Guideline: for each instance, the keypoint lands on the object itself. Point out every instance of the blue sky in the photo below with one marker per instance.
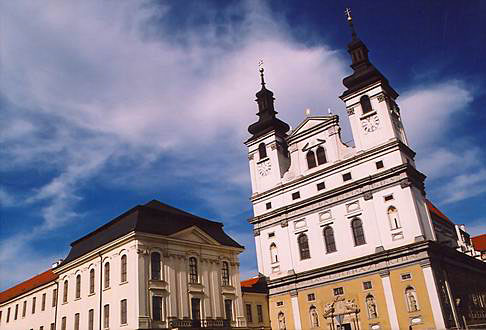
(108, 104)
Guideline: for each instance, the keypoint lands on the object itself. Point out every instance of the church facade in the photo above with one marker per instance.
(345, 233)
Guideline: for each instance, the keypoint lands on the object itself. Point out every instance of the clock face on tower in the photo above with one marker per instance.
(264, 167)
(370, 123)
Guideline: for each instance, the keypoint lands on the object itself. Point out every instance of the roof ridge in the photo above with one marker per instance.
(156, 205)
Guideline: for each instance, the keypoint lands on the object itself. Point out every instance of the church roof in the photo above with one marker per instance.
(479, 242)
(437, 214)
(152, 218)
(30, 284)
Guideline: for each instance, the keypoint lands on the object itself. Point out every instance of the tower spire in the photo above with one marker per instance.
(365, 72)
(267, 120)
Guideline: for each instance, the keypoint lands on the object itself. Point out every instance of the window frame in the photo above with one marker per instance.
(321, 155)
(65, 292)
(123, 268)
(92, 277)
(193, 270)
(78, 287)
(304, 248)
(329, 240)
(155, 273)
(262, 151)
(106, 316)
(358, 232)
(225, 273)
(123, 312)
(311, 159)
(106, 275)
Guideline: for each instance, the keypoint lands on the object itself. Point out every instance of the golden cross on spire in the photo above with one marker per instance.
(347, 12)
(260, 65)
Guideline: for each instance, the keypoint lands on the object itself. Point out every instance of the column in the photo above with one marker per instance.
(172, 279)
(295, 309)
(142, 278)
(183, 287)
(206, 299)
(431, 285)
(390, 302)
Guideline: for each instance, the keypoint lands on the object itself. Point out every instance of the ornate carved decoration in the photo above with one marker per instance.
(350, 111)
(273, 146)
(284, 223)
(368, 195)
(251, 156)
(256, 232)
(404, 183)
(381, 98)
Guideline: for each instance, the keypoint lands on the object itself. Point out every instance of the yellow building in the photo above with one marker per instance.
(255, 301)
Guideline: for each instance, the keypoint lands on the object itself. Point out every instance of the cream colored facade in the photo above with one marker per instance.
(91, 288)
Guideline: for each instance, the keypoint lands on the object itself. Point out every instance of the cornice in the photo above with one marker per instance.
(404, 175)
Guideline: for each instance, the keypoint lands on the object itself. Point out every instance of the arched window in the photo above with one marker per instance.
(365, 103)
(393, 217)
(107, 275)
(314, 318)
(311, 159)
(91, 281)
(411, 298)
(78, 286)
(273, 253)
(321, 156)
(371, 307)
(329, 240)
(281, 321)
(123, 268)
(303, 246)
(358, 233)
(262, 150)
(225, 273)
(155, 266)
(65, 292)
(193, 278)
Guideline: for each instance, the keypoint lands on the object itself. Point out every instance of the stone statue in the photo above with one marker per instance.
(412, 301)
(370, 303)
(314, 318)
(281, 321)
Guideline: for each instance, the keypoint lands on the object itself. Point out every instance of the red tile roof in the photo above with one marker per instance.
(435, 211)
(30, 284)
(254, 285)
(250, 282)
(479, 242)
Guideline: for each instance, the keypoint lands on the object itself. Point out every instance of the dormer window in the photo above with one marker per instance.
(365, 103)
(262, 150)
(311, 159)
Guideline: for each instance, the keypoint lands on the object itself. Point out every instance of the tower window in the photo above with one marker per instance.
(347, 176)
(296, 195)
(365, 103)
(379, 164)
(311, 297)
(388, 198)
(273, 253)
(393, 217)
(268, 205)
(303, 246)
(321, 156)
(338, 291)
(321, 186)
(262, 150)
(311, 159)
(367, 285)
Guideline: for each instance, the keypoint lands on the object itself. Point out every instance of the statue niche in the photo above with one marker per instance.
(281, 321)
(371, 306)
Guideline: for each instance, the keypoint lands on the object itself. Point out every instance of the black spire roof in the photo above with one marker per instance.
(152, 218)
(365, 72)
(267, 120)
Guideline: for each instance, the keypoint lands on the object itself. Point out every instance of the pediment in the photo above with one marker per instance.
(196, 235)
(309, 123)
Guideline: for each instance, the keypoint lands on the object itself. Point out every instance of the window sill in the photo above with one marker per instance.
(105, 289)
(263, 160)
(123, 283)
(91, 294)
(79, 298)
(369, 113)
(123, 324)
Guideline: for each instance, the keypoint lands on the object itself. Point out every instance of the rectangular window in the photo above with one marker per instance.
(347, 176)
(54, 297)
(260, 313)
(43, 302)
(279, 303)
(338, 291)
(123, 311)
(63, 323)
(106, 316)
(228, 308)
(296, 195)
(123, 269)
(24, 308)
(92, 281)
(16, 311)
(379, 164)
(91, 319)
(157, 308)
(107, 275)
(272, 234)
(388, 198)
(8, 314)
(321, 186)
(367, 285)
(406, 276)
(65, 292)
(76, 321)
(33, 305)
(311, 297)
(249, 317)
(268, 205)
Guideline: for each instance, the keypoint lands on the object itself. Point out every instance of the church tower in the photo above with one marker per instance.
(267, 148)
(370, 100)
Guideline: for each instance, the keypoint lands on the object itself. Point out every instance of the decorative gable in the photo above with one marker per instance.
(196, 235)
(309, 124)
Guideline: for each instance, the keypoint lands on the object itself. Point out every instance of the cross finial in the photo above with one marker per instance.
(260, 65)
(307, 112)
(347, 12)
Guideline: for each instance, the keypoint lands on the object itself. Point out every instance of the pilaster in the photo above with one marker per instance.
(431, 285)
(390, 302)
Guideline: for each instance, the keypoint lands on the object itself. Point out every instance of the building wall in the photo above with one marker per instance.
(255, 299)
(31, 320)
